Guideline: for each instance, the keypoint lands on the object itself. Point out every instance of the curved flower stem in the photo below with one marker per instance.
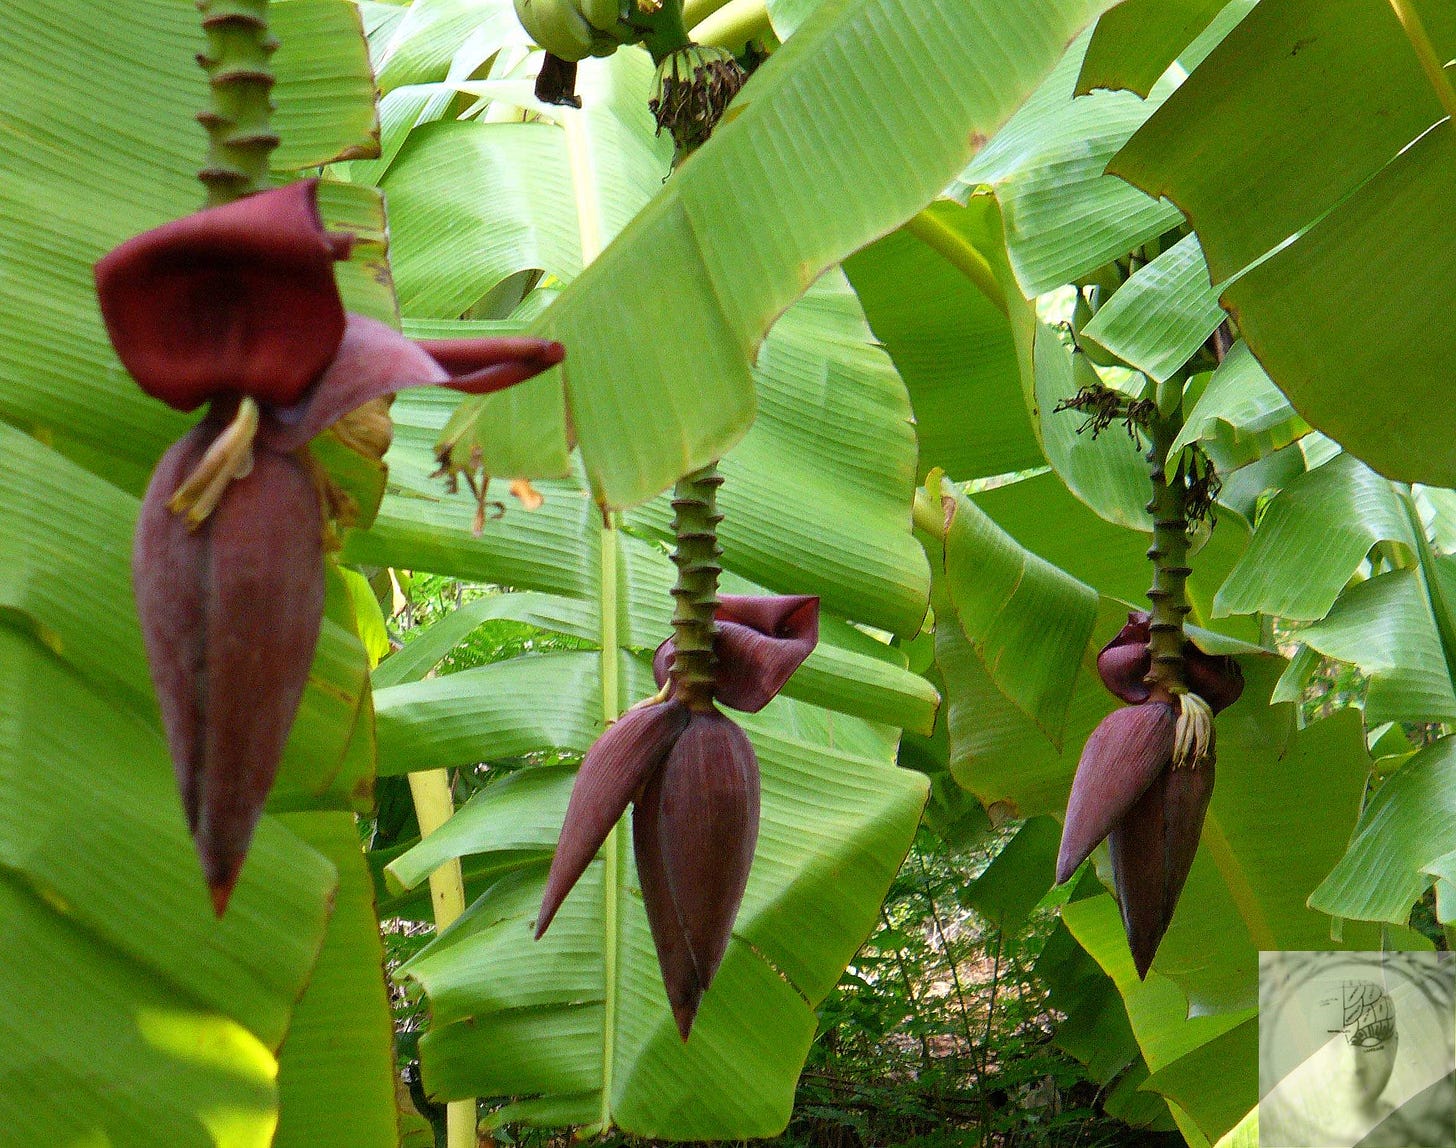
(733, 25)
(1169, 552)
(695, 525)
(951, 246)
(239, 72)
(696, 11)
(663, 30)
(1425, 51)
(230, 456)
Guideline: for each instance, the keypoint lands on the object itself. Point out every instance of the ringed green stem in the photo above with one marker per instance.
(1169, 553)
(240, 78)
(695, 526)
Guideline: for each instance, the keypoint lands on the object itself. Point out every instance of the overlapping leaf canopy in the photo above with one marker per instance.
(1322, 518)
(134, 1010)
(690, 306)
(816, 500)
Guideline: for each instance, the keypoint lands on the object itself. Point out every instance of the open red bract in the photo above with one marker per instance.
(238, 299)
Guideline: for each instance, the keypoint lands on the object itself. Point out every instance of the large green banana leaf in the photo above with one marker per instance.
(1063, 217)
(882, 116)
(132, 1009)
(1134, 44)
(1266, 140)
(950, 338)
(816, 500)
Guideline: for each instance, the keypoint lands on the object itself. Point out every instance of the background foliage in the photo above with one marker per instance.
(886, 269)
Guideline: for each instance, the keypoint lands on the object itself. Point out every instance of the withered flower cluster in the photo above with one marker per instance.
(692, 777)
(1145, 779)
(694, 87)
(236, 306)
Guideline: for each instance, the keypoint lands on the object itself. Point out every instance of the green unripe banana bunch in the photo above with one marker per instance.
(575, 29)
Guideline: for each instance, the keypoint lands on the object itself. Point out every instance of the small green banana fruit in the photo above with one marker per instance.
(556, 26)
(572, 30)
(603, 15)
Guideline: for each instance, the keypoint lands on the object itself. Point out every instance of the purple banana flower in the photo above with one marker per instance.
(1123, 665)
(692, 777)
(1145, 779)
(760, 643)
(236, 306)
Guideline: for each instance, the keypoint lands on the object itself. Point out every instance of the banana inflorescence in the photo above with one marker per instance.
(236, 307)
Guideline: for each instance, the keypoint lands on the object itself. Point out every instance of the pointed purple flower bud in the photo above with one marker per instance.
(708, 827)
(674, 955)
(230, 614)
(237, 305)
(1120, 760)
(615, 770)
(1123, 665)
(761, 642)
(1152, 852)
(693, 778)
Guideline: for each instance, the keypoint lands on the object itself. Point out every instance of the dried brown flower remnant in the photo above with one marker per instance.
(695, 85)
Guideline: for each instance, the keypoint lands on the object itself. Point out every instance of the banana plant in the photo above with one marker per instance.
(74, 425)
(120, 977)
(1079, 238)
(621, 1060)
(1068, 548)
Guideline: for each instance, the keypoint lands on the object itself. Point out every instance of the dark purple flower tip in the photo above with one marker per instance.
(1152, 850)
(238, 299)
(674, 957)
(230, 614)
(761, 642)
(481, 366)
(616, 768)
(556, 82)
(1217, 678)
(1124, 662)
(706, 813)
(373, 359)
(1120, 760)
